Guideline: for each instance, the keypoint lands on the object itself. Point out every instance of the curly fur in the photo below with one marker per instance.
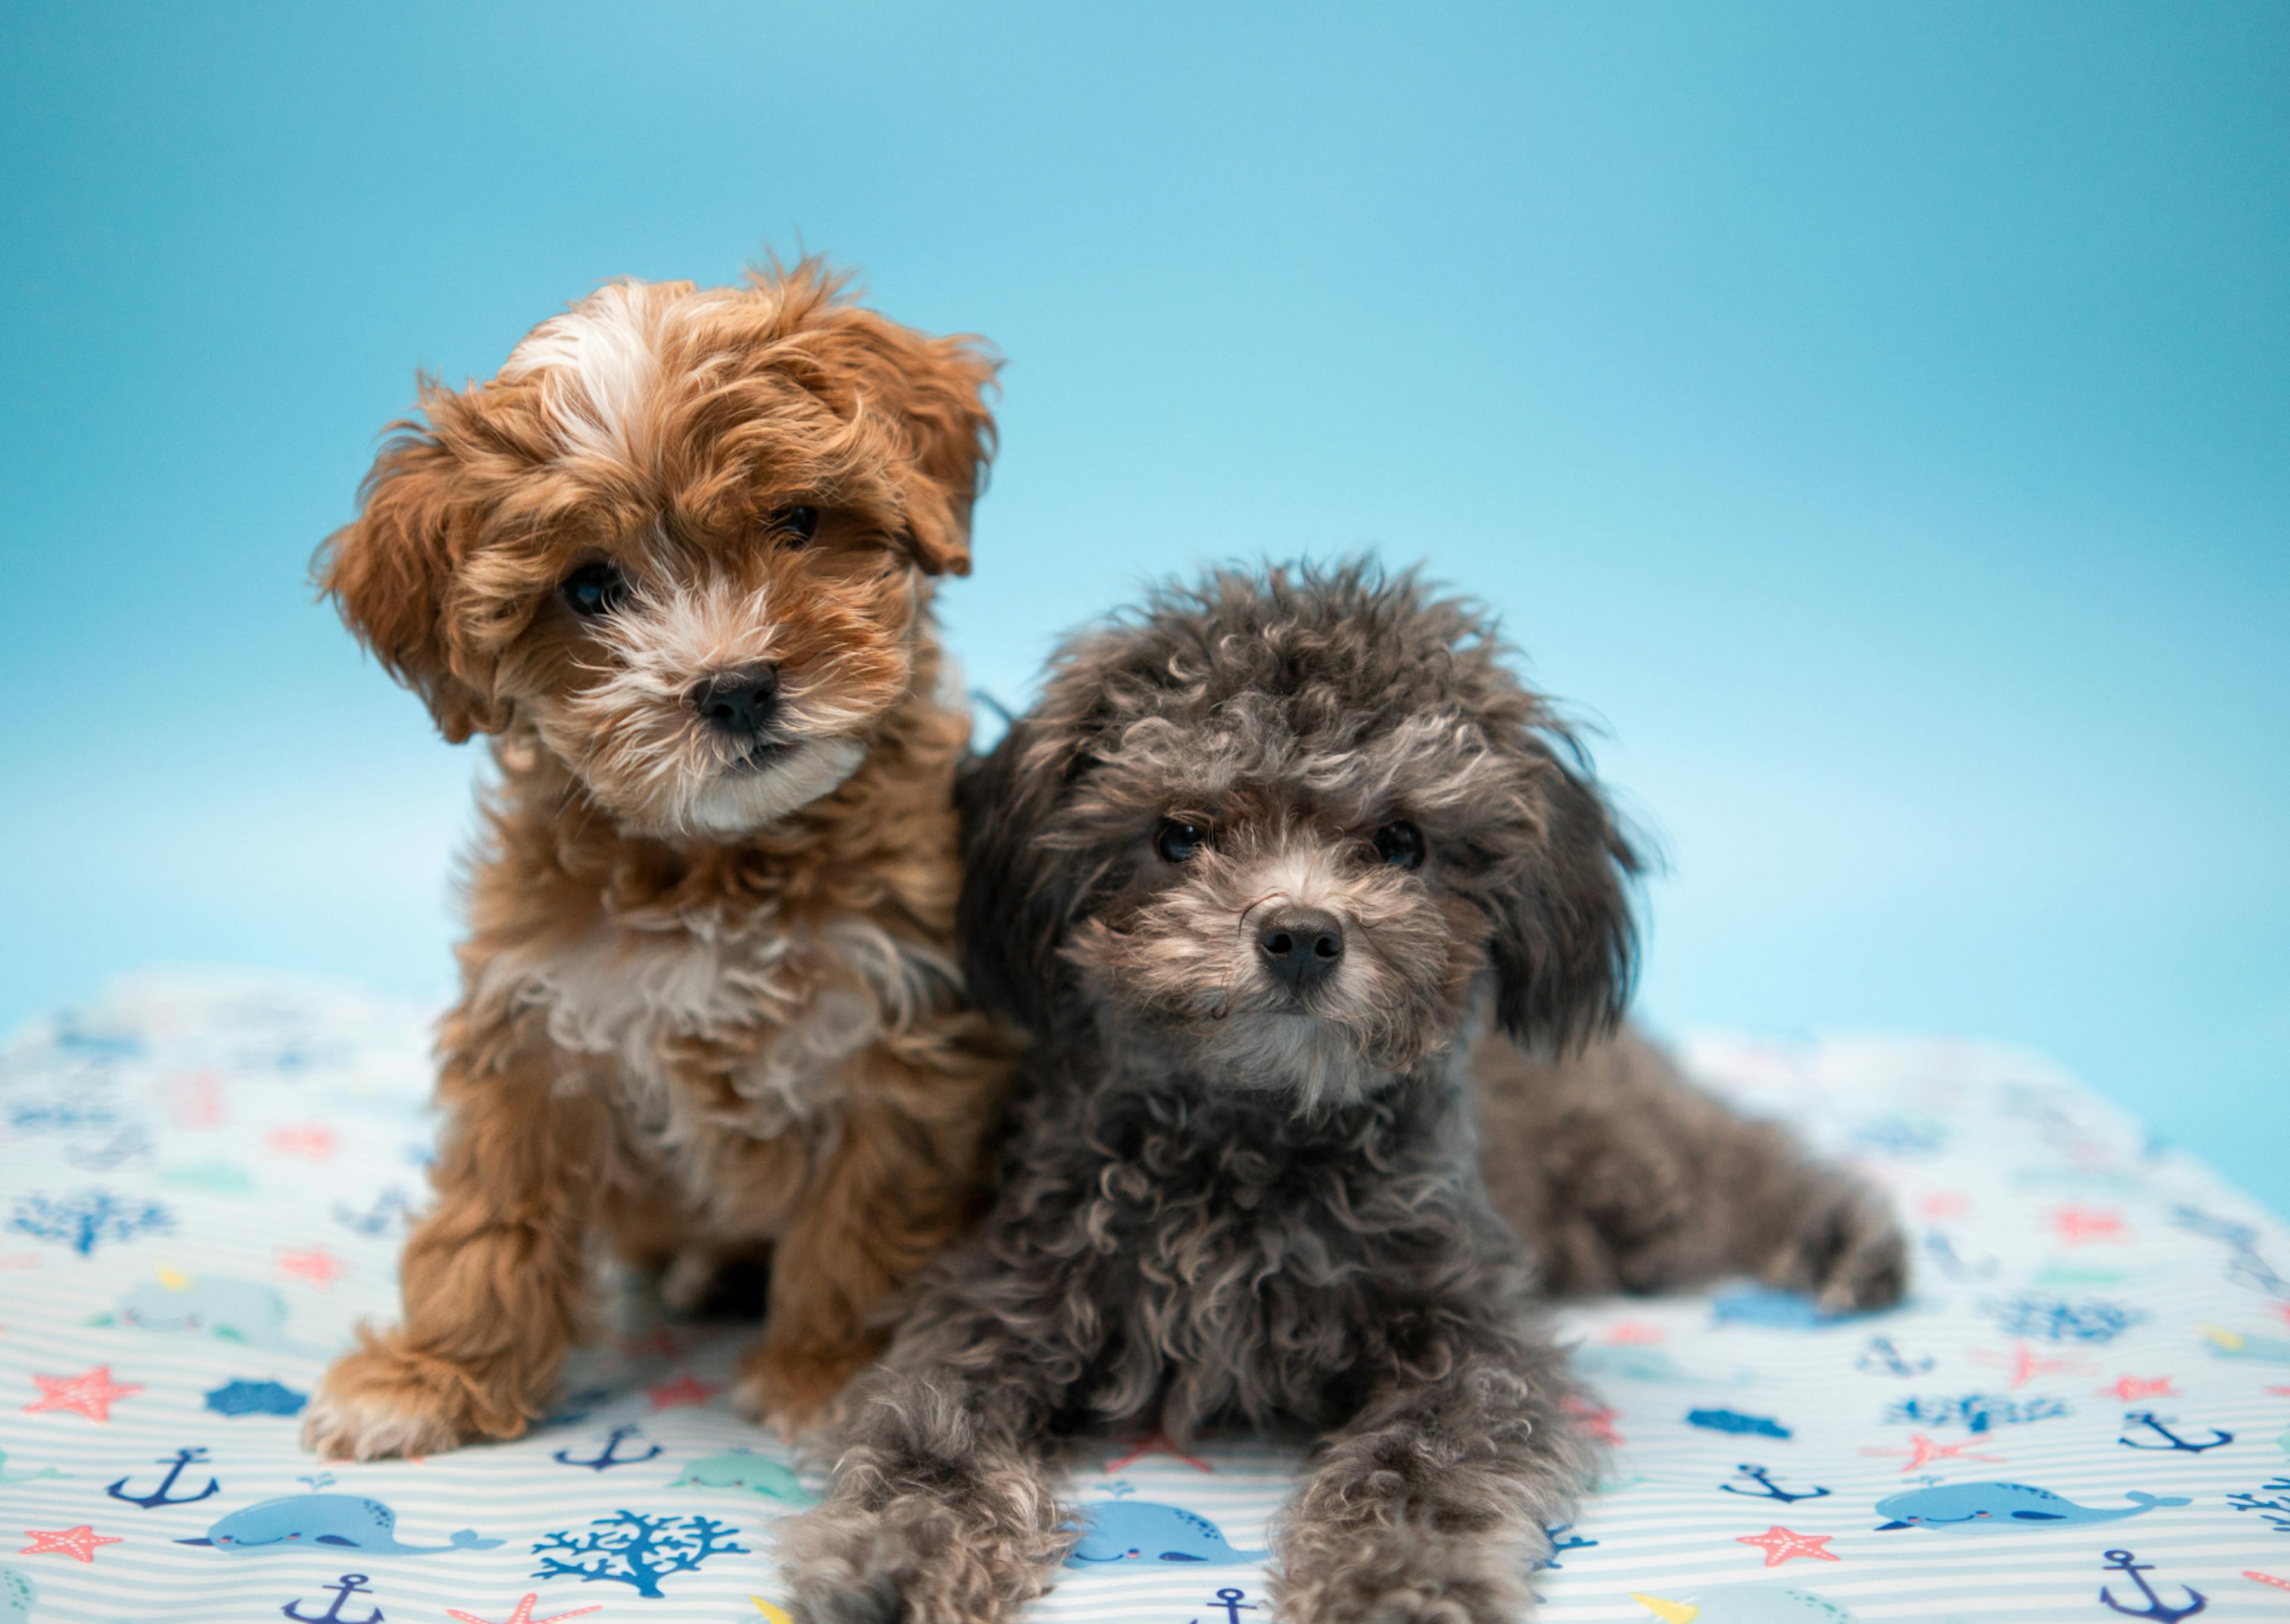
(1229, 1201)
(711, 1006)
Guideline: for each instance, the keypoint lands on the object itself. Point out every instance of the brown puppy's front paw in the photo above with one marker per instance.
(386, 1401)
(792, 1388)
(1850, 1253)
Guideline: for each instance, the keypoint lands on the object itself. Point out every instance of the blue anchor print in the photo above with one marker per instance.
(1954, 1265)
(159, 1496)
(2120, 1562)
(1571, 1543)
(344, 1587)
(611, 1456)
(1767, 1489)
(1880, 1355)
(1231, 1599)
(2146, 1418)
(389, 1204)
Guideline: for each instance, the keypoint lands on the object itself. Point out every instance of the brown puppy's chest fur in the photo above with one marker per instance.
(733, 1005)
(727, 1041)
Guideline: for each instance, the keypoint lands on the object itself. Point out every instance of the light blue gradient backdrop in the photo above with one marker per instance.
(1879, 419)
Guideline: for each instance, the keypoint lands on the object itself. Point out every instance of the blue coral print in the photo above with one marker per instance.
(89, 1218)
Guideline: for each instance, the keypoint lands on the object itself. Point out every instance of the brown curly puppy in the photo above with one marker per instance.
(1284, 872)
(675, 559)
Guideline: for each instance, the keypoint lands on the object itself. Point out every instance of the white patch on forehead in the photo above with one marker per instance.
(599, 363)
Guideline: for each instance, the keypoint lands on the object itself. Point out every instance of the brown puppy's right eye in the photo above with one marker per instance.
(795, 526)
(1180, 840)
(594, 590)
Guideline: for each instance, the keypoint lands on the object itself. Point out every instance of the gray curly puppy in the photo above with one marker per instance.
(1292, 880)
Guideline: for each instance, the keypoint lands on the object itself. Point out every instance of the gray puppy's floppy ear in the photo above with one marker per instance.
(1565, 949)
(1016, 901)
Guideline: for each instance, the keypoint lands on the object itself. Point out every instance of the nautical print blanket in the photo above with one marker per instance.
(204, 1183)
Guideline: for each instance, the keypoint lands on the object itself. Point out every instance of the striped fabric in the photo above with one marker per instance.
(204, 1183)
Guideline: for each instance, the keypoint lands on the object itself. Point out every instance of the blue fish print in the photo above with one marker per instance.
(1140, 1530)
(1988, 1508)
(350, 1521)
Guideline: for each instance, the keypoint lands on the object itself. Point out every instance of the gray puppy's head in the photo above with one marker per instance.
(1293, 827)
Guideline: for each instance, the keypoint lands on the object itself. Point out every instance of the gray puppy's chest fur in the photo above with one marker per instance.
(1221, 1261)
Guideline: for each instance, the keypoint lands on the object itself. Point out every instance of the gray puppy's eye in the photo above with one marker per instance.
(1179, 840)
(1400, 844)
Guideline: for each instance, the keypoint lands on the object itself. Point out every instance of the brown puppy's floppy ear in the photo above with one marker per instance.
(1015, 909)
(1566, 945)
(936, 388)
(933, 389)
(390, 571)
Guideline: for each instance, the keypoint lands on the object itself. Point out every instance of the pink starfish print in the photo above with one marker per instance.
(1944, 1204)
(523, 1614)
(1780, 1544)
(685, 1389)
(1631, 1331)
(77, 1543)
(1157, 1443)
(92, 1393)
(2139, 1387)
(311, 1140)
(2266, 1578)
(1600, 1421)
(1924, 1449)
(315, 1264)
(2026, 1363)
(2078, 1224)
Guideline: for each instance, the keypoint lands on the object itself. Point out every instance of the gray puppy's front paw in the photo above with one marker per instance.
(1400, 1576)
(922, 1558)
(1849, 1251)
(840, 1570)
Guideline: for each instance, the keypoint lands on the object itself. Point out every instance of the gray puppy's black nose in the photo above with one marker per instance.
(740, 704)
(1303, 947)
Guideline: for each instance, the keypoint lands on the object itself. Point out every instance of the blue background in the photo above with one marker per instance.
(1877, 419)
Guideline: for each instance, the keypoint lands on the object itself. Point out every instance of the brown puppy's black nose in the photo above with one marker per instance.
(1303, 947)
(740, 704)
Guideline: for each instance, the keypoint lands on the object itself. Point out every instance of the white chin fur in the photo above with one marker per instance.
(742, 803)
(1313, 1058)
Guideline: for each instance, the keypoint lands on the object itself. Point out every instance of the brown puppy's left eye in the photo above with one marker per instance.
(1400, 844)
(794, 526)
(595, 588)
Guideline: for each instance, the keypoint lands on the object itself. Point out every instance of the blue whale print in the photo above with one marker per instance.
(1140, 1530)
(348, 1521)
(1987, 1507)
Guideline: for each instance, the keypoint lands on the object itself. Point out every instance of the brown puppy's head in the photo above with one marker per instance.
(1296, 826)
(679, 537)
